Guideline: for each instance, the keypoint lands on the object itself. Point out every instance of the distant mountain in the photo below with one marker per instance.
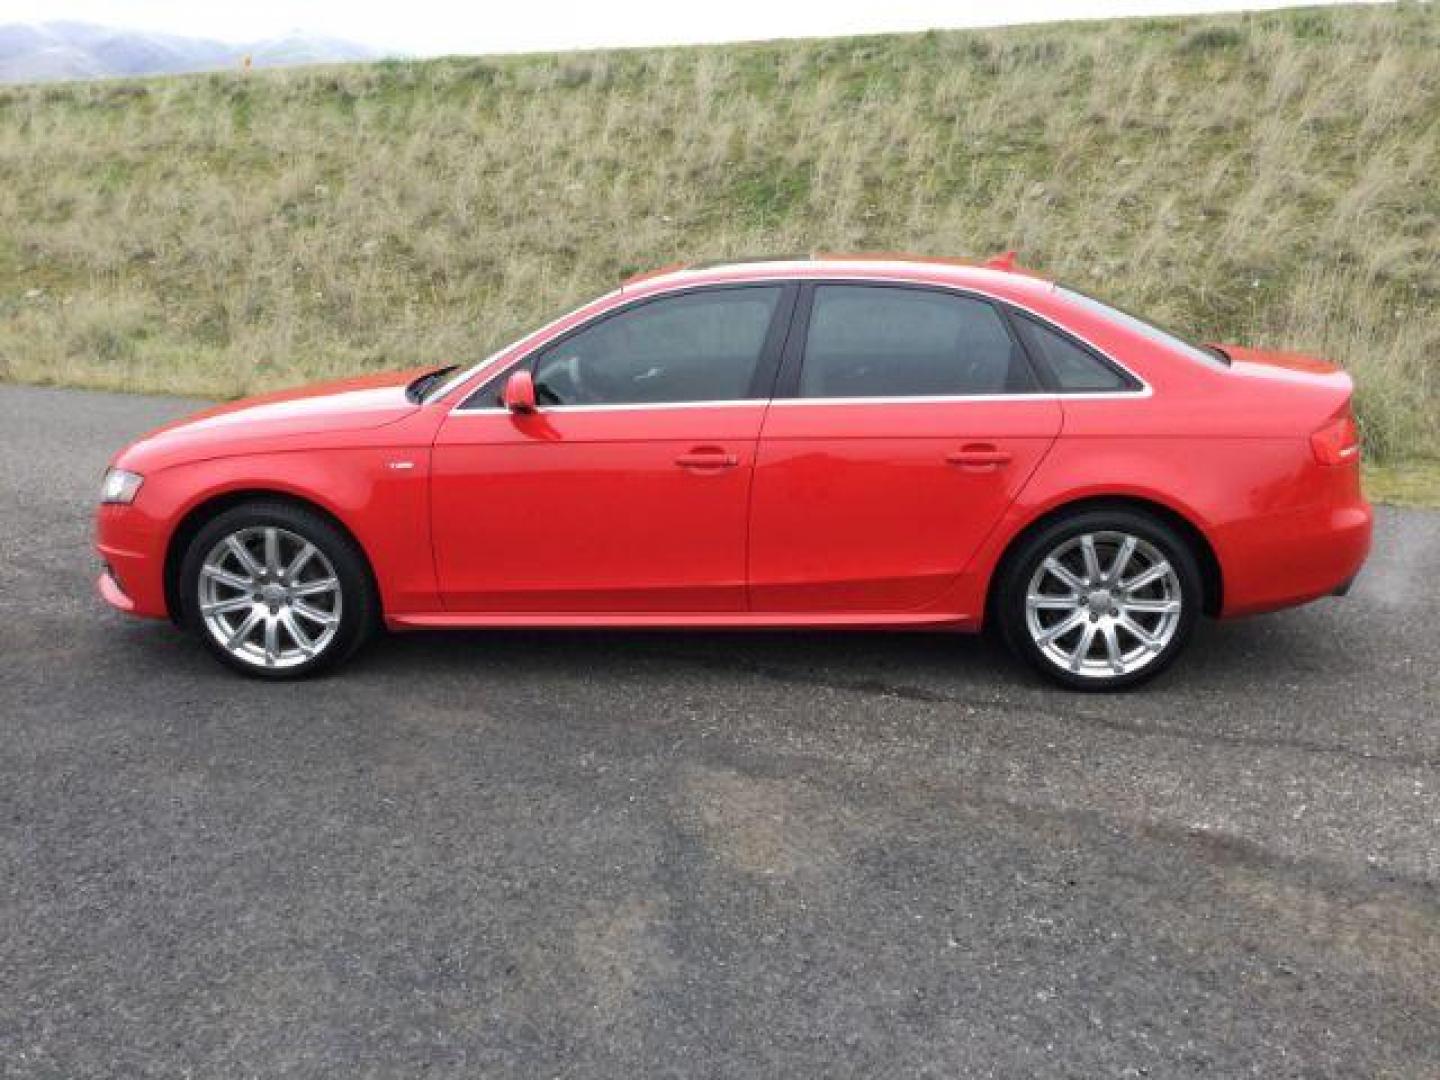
(43, 52)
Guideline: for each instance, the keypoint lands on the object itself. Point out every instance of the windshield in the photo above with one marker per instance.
(442, 387)
(1209, 357)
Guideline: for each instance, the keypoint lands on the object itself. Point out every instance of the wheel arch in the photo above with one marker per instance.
(1211, 575)
(206, 508)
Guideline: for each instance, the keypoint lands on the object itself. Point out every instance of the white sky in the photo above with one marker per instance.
(431, 27)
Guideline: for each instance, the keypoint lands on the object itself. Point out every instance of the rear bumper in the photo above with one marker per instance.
(1343, 589)
(1288, 559)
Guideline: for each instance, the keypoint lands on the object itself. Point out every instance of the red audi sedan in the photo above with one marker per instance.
(828, 442)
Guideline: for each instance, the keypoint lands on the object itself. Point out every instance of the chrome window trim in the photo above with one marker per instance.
(628, 406)
(945, 399)
(957, 399)
(1144, 389)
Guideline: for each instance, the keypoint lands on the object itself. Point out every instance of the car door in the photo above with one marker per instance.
(905, 422)
(626, 491)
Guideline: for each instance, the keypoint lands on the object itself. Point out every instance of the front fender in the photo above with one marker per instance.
(379, 494)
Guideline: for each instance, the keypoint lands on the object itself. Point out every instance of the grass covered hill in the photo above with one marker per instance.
(1269, 178)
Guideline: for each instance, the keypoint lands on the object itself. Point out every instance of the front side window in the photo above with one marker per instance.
(701, 346)
(888, 341)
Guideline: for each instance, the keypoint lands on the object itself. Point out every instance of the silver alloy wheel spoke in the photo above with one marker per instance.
(1150, 607)
(272, 640)
(243, 556)
(1073, 583)
(1122, 559)
(311, 588)
(292, 627)
(1053, 603)
(1145, 577)
(1139, 633)
(1060, 629)
(242, 632)
(1098, 624)
(1082, 651)
(275, 615)
(1112, 647)
(1092, 559)
(298, 563)
(324, 618)
(235, 581)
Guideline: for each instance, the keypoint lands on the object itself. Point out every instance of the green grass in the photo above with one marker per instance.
(1266, 178)
(1408, 483)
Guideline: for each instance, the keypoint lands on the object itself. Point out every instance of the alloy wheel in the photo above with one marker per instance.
(269, 597)
(1103, 604)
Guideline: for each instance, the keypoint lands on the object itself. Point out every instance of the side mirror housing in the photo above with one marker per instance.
(520, 392)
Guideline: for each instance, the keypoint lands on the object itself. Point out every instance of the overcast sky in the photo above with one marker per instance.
(430, 27)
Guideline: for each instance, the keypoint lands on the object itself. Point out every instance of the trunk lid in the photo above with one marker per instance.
(1264, 362)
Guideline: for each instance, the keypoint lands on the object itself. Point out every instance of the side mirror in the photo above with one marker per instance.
(520, 392)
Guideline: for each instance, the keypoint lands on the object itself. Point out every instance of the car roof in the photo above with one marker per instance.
(996, 274)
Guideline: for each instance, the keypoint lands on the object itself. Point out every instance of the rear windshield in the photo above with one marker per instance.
(1208, 357)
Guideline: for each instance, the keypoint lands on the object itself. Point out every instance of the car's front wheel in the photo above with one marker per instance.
(1101, 599)
(276, 591)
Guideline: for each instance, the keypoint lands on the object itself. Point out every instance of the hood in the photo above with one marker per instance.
(355, 404)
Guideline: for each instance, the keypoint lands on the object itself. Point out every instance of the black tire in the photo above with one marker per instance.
(358, 604)
(1021, 566)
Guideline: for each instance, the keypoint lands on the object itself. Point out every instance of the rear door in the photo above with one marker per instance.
(906, 420)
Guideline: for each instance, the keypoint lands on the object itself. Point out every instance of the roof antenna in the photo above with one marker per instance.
(1004, 261)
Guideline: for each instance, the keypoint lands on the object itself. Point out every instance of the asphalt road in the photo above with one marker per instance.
(777, 855)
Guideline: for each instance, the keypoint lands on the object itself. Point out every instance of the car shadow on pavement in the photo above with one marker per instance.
(923, 666)
(926, 666)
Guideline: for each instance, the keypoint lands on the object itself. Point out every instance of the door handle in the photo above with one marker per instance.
(707, 458)
(980, 454)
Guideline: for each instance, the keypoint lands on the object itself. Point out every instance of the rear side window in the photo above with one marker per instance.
(1146, 329)
(887, 341)
(700, 346)
(1074, 367)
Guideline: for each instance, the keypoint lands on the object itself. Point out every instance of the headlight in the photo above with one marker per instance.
(120, 486)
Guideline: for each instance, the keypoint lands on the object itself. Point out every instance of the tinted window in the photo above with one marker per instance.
(878, 341)
(1073, 366)
(696, 347)
(1147, 329)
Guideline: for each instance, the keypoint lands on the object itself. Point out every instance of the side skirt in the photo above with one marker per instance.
(704, 620)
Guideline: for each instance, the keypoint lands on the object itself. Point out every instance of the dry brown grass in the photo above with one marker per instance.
(1267, 178)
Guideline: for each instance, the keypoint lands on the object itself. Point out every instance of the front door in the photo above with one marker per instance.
(907, 421)
(627, 491)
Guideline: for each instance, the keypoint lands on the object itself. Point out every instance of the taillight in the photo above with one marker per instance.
(1338, 442)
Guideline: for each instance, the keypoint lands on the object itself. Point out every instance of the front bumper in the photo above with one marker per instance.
(111, 592)
(131, 547)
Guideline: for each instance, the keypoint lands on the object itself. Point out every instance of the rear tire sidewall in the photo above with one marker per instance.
(1018, 568)
(359, 609)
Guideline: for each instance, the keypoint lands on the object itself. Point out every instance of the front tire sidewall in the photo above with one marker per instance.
(1018, 569)
(359, 610)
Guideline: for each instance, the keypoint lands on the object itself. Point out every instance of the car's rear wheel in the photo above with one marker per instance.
(276, 591)
(1101, 599)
